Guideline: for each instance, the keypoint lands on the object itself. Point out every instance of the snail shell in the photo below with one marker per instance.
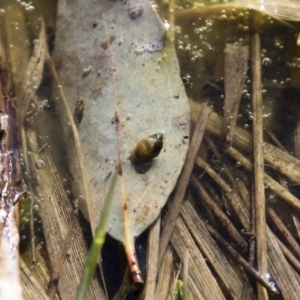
(146, 149)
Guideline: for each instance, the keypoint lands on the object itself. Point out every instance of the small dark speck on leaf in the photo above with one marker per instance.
(181, 122)
(176, 96)
(107, 176)
(105, 44)
(95, 24)
(86, 72)
(135, 11)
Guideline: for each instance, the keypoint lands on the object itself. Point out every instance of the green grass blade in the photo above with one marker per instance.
(98, 242)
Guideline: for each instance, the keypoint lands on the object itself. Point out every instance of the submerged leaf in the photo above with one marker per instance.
(116, 57)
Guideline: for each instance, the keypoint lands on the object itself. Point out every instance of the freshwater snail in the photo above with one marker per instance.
(146, 149)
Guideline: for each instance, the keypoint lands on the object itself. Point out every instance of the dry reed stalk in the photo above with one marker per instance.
(231, 194)
(56, 214)
(220, 215)
(273, 185)
(58, 266)
(262, 280)
(183, 180)
(289, 255)
(204, 280)
(194, 291)
(271, 135)
(228, 273)
(252, 240)
(36, 277)
(185, 271)
(258, 163)
(34, 288)
(284, 231)
(276, 158)
(284, 275)
(297, 155)
(152, 257)
(212, 146)
(236, 57)
(287, 280)
(164, 276)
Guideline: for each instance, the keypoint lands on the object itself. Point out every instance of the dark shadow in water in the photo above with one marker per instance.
(115, 264)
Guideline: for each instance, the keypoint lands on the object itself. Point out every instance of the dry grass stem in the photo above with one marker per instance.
(274, 157)
(236, 57)
(56, 213)
(182, 184)
(204, 280)
(287, 280)
(231, 194)
(57, 269)
(229, 273)
(212, 146)
(258, 163)
(273, 185)
(271, 135)
(289, 255)
(31, 281)
(152, 257)
(252, 240)
(284, 231)
(33, 75)
(249, 269)
(75, 153)
(282, 272)
(220, 215)
(164, 276)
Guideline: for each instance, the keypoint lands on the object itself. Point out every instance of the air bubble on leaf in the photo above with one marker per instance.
(40, 164)
(154, 46)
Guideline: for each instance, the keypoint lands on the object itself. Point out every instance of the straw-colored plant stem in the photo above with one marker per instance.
(152, 257)
(182, 184)
(258, 164)
(164, 277)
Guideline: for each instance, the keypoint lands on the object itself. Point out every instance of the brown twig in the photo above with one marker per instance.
(182, 184)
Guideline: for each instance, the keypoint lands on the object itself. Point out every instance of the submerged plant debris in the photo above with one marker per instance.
(119, 86)
(139, 93)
